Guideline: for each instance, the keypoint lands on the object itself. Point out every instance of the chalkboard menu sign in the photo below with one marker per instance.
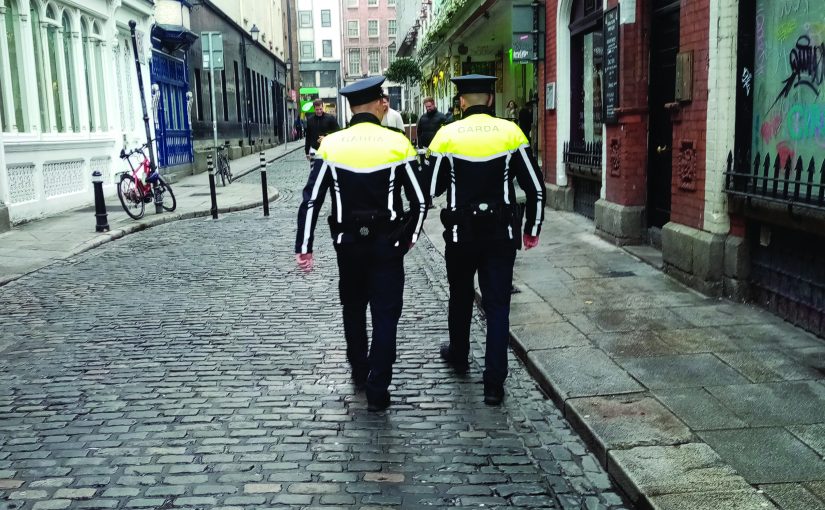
(611, 65)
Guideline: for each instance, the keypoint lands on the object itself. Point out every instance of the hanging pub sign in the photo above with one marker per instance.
(611, 65)
(525, 46)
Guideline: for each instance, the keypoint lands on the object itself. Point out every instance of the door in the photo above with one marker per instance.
(172, 130)
(664, 45)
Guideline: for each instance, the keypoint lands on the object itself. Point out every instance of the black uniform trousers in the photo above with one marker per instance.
(371, 273)
(493, 260)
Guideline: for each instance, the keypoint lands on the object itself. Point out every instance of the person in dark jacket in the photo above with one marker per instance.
(429, 123)
(298, 127)
(318, 126)
(367, 170)
(475, 161)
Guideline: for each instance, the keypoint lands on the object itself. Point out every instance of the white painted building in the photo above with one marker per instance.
(68, 99)
(319, 47)
(269, 16)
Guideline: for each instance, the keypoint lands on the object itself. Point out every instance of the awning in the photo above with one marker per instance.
(172, 37)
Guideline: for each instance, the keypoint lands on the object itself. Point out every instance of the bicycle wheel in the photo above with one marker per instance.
(228, 170)
(169, 200)
(222, 170)
(131, 196)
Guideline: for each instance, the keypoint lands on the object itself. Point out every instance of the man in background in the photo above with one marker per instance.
(392, 119)
(429, 123)
(318, 126)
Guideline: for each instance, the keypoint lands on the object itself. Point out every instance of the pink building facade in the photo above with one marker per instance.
(368, 32)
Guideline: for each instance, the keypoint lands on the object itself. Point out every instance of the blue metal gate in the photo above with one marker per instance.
(172, 129)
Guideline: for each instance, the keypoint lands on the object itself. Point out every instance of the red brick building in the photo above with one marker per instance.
(651, 98)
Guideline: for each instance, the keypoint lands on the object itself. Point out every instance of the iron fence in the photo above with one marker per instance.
(783, 180)
(583, 159)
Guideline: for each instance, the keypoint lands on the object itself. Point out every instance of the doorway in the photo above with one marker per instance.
(664, 45)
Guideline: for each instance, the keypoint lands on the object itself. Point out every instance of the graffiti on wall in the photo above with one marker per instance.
(788, 80)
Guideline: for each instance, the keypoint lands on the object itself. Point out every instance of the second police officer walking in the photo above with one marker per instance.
(474, 160)
(365, 167)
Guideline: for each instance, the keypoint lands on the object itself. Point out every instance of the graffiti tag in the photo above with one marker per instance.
(807, 67)
(747, 79)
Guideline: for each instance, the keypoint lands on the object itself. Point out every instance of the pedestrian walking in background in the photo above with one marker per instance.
(367, 166)
(429, 123)
(298, 126)
(471, 158)
(318, 126)
(392, 119)
(511, 112)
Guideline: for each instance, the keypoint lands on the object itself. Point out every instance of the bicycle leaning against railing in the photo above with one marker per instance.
(223, 166)
(142, 185)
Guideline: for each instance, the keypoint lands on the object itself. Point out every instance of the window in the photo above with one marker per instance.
(305, 19)
(353, 30)
(13, 121)
(372, 28)
(307, 50)
(326, 18)
(198, 94)
(326, 45)
(392, 27)
(354, 61)
(42, 86)
(352, 3)
(308, 79)
(237, 92)
(223, 94)
(372, 3)
(375, 60)
(328, 79)
(391, 51)
(71, 79)
(390, 3)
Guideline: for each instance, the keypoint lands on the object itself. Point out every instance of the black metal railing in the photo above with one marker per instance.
(791, 183)
(583, 159)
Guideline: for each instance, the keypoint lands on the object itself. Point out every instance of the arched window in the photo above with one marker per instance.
(71, 79)
(586, 71)
(101, 86)
(40, 69)
(391, 51)
(11, 61)
(56, 77)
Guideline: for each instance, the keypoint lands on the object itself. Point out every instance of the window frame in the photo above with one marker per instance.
(324, 44)
(377, 28)
(350, 53)
(377, 53)
(328, 22)
(392, 23)
(301, 19)
(311, 46)
(357, 29)
(372, 3)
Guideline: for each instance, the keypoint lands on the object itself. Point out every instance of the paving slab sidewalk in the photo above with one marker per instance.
(690, 402)
(36, 244)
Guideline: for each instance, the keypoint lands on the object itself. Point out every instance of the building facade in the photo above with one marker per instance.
(69, 98)
(249, 92)
(369, 42)
(319, 52)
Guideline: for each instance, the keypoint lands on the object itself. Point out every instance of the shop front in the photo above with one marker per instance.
(776, 175)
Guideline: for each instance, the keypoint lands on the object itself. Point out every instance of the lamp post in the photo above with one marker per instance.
(254, 32)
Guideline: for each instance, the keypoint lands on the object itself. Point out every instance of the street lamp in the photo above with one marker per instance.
(255, 33)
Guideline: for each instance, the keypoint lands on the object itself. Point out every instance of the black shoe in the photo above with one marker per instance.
(493, 394)
(378, 403)
(460, 367)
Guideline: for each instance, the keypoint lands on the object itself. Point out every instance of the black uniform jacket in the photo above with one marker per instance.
(365, 167)
(428, 125)
(475, 160)
(318, 126)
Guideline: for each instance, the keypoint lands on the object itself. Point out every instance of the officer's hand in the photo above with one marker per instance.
(530, 241)
(305, 261)
(307, 157)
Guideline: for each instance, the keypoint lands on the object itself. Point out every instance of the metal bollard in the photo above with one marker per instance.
(102, 219)
(264, 189)
(211, 168)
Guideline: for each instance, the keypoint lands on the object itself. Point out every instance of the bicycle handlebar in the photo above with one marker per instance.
(124, 154)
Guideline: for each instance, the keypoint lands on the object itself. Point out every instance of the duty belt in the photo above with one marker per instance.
(367, 225)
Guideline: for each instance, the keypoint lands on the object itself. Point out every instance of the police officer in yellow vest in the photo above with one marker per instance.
(365, 167)
(475, 161)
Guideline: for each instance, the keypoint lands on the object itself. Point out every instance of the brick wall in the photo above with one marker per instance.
(690, 122)
(548, 70)
(626, 155)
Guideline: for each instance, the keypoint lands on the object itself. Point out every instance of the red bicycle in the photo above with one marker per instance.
(143, 185)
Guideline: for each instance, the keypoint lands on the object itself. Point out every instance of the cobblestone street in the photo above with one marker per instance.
(192, 365)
